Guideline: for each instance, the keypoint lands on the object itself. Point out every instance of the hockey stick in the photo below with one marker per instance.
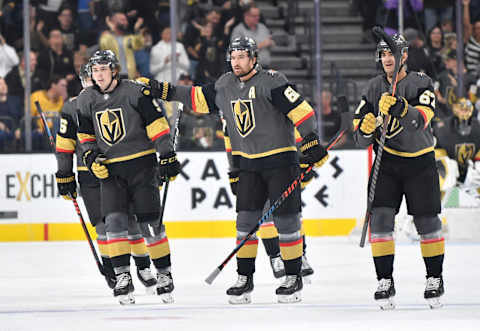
(272, 208)
(167, 181)
(74, 200)
(376, 166)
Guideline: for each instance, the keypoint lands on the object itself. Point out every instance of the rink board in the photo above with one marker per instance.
(199, 204)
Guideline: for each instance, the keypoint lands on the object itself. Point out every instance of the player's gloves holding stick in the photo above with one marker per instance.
(308, 176)
(161, 90)
(66, 185)
(169, 167)
(233, 178)
(93, 160)
(313, 151)
(392, 105)
(368, 124)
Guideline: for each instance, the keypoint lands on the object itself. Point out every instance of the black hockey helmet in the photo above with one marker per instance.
(84, 73)
(105, 57)
(398, 40)
(462, 110)
(243, 44)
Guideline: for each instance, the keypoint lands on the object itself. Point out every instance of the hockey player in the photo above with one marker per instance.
(407, 169)
(120, 130)
(268, 232)
(260, 108)
(66, 146)
(458, 148)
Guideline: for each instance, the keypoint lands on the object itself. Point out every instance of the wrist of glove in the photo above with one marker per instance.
(168, 167)
(93, 160)
(161, 90)
(233, 178)
(393, 105)
(313, 152)
(66, 185)
(307, 177)
(368, 124)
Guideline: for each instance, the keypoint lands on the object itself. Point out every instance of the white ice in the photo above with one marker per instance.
(56, 286)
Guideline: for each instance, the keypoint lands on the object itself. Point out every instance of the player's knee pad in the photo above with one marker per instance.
(133, 228)
(153, 229)
(247, 219)
(427, 224)
(382, 220)
(100, 228)
(116, 222)
(288, 223)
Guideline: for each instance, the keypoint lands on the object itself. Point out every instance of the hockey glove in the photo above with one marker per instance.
(392, 105)
(314, 153)
(233, 177)
(161, 90)
(169, 167)
(66, 185)
(93, 160)
(368, 124)
(307, 178)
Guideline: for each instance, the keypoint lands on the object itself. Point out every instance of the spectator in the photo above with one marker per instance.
(57, 60)
(74, 86)
(472, 39)
(251, 27)
(8, 57)
(447, 26)
(434, 48)
(418, 59)
(8, 117)
(123, 43)
(160, 59)
(38, 41)
(69, 32)
(48, 12)
(450, 42)
(51, 101)
(436, 12)
(211, 52)
(142, 56)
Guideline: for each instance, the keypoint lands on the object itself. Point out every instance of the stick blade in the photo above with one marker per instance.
(212, 276)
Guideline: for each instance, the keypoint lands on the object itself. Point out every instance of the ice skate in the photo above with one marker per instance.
(433, 291)
(290, 290)
(307, 271)
(148, 280)
(165, 286)
(277, 265)
(385, 293)
(239, 293)
(124, 289)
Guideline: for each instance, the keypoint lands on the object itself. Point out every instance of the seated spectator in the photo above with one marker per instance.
(56, 60)
(418, 59)
(123, 43)
(251, 27)
(8, 57)
(160, 58)
(471, 35)
(9, 116)
(434, 47)
(142, 56)
(74, 86)
(436, 12)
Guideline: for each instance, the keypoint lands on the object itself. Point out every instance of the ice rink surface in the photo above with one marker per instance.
(56, 286)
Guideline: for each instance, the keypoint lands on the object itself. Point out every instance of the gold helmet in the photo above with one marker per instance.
(463, 110)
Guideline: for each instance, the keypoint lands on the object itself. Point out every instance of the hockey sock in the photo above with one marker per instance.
(291, 249)
(433, 251)
(246, 254)
(159, 250)
(245, 266)
(139, 251)
(383, 251)
(268, 233)
(119, 251)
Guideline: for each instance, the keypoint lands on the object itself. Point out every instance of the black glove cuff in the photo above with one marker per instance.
(64, 178)
(168, 158)
(310, 141)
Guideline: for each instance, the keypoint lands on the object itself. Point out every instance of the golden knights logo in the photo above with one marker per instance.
(244, 116)
(112, 127)
(464, 152)
(393, 127)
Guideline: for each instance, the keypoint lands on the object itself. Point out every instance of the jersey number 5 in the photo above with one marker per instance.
(63, 126)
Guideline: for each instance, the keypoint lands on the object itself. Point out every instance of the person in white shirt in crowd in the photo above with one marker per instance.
(8, 57)
(161, 62)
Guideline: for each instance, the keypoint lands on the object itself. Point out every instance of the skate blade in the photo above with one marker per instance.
(240, 299)
(166, 297)
(386, 304)
(151, 290)
(434, 303)
(291, 298)
(126, 299)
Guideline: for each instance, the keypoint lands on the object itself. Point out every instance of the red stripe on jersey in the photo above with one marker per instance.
(164, 132)
(293, 243)
(306, 117)
(158, 242)
(87, 140)
(61, 150)
(431, 241)
(192, 95)
(424, 117)
(249, 242)
(136, 241)
(101, 242)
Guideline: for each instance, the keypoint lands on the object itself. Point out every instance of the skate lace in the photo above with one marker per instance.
(163, 280)
(241, 281)
(146, 274)
(289, 281)
(277, 264)
(384, 284)
(305, 264)
(123, 280)
(433, 283)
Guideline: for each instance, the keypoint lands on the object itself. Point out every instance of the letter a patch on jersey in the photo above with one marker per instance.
(244, 116)
(111, 125)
